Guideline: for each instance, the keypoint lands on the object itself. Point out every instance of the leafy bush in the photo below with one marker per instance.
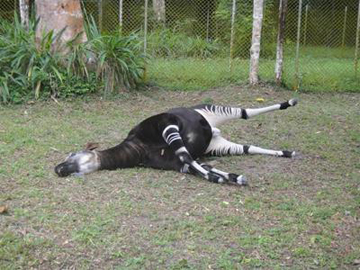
(165, 42)
(118, 59)
(31, 68)
(243, 27)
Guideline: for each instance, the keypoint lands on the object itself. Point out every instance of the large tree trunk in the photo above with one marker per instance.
(255, 42)
(58, 15)
(159, 9)
(280, 41)
(24, 12)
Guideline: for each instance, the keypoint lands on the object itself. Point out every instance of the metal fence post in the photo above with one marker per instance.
(207, 22)
(297, 78)
(357, 41)
(344, 28)
(100, 17)
(232, 35)
(145, 38)
(305, 23)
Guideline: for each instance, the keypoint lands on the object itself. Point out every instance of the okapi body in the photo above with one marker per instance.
(175, 140)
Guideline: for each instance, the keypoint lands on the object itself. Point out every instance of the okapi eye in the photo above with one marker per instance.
(70, 156)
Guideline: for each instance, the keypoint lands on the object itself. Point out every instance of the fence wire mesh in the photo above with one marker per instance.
(206, 43)
(8, 8)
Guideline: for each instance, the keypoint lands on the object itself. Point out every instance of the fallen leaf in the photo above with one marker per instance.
(260, 100)
(3, 209)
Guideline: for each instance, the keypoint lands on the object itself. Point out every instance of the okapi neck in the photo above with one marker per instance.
(124, 155)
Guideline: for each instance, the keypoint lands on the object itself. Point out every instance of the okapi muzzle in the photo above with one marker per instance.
(79, 163)
(66, 168)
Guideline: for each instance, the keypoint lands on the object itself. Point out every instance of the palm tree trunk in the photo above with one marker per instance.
(59, 15)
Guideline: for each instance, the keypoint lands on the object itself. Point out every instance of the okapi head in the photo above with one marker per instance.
(82, 162)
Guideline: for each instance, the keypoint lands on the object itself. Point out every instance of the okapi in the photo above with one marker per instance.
(175, 140)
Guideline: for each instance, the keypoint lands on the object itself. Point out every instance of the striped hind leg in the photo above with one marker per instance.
(217, 115)
(219, 146)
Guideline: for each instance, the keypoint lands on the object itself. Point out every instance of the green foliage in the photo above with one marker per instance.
(30, 68)
(165, 42)
(201, 74)
(33, 67)
(243, 27)
(117, 58)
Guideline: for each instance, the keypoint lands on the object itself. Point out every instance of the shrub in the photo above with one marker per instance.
(31, 68)
(165, 42)
(118, 59)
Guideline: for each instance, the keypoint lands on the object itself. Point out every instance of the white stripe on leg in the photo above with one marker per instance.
(219, 146)
(253, 112)
(258, 150)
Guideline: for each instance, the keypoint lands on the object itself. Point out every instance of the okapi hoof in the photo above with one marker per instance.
(215, 178)
(238, 179)
(289, 103)
(288, 154)
(293, 101)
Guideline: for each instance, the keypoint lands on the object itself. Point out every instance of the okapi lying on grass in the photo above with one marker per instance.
(174, 140)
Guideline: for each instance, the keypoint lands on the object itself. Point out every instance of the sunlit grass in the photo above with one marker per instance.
(320, 70)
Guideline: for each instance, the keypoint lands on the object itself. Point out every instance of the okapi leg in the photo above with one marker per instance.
(222, 177)
(217, 115)
(172, 137)
(281, 106)
(220, 147)
(230, 177)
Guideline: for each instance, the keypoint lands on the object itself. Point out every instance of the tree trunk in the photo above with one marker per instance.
(255, 42)
(120, 14)
(24, 12)
(58, 15)
(159, 10)
(280, 41)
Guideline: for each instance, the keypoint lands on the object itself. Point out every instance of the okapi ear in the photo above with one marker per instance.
(91, 146)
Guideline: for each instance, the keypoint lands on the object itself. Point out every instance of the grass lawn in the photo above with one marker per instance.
(296, 213)
(320, 70)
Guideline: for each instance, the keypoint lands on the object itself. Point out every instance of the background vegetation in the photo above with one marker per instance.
(189, 51)
(199, 33)
(30, 68)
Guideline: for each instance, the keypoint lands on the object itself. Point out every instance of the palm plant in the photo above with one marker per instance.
(26, 64)
(118, 59)
(31, 67)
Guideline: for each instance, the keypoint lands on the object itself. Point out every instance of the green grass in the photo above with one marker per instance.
(321, 70)
(295, 214)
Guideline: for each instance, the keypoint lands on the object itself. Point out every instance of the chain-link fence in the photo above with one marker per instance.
(8, 8)
(206, 43)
